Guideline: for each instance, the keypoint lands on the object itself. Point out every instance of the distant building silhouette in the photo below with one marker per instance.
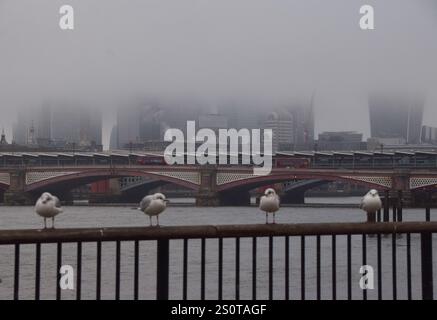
(396, 119)
(58, 127)
(281, 124)
(3, 141)
(429, 135)
(341, 141)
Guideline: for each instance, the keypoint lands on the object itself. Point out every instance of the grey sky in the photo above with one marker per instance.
(273, 50)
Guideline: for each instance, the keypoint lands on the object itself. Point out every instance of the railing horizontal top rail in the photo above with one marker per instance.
(208, 231)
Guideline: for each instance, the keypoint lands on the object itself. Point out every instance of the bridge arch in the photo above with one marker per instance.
(259, 181)
(72, 180)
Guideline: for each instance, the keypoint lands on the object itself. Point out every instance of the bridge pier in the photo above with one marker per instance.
(16, 198)
(207, 200)
(15, 195)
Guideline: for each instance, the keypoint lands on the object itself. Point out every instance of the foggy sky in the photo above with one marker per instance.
(267, 50)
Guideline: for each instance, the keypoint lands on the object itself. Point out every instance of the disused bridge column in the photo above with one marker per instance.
(400, 191)
(16, 194)
(208, 195)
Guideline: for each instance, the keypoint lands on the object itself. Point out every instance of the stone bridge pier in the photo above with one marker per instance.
(209, 196)
(16, 194)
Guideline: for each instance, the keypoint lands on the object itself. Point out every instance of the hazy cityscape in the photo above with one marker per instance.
(337, 102)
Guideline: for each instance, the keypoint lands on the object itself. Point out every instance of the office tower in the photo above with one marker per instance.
(281, 123)
(396, 118)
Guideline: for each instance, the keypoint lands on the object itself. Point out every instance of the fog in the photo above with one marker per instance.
(269, 51)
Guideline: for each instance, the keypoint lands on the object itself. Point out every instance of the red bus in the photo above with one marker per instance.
(293, 163)
(151, 160)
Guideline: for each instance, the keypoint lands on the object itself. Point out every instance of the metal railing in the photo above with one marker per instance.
(282, 240)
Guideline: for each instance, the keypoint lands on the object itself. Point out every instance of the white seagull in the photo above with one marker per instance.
(371, 202)
(153, 205)
(48, 206)
(269, 203)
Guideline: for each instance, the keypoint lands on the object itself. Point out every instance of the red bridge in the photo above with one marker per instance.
(214, 185)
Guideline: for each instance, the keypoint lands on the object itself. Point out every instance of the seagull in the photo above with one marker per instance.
(48, 206)
(269, 203)
(371, 202)
(153, 205)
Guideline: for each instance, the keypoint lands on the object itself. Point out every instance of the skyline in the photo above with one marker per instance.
(270, 53)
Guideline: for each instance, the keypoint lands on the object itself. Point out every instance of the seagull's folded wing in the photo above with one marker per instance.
(145, 202)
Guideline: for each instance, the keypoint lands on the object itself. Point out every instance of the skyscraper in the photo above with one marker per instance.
(396, 119)
(281, 124)
(47, 126)
(302, 111)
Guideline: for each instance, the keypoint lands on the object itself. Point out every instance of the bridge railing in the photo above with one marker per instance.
(281, 261)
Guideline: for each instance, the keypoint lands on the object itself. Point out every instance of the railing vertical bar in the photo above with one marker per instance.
(364, 248)
(185, 270)
(37, 270)
(58, 269)
(394, 271)
(202, 272)
(17, 271)
(162, 269)
(334, 268)
(254, 268)
(386, 213)
(427, 265)
(409, 266)
(287, 268)
(79, 271)
(237, 268)
(318, 267)
(117, 269)
(136, 268)
(349, 267)
(270, 268)
(220, 271)
(302, 266)
(99, 270)
(427, 206)
(379, 262)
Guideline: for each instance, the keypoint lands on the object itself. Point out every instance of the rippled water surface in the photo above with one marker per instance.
(83, 216)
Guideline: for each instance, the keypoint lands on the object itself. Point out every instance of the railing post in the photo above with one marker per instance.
(400, 205)
(428, 209)
(162, 273)
(386, 217)
(426, 257)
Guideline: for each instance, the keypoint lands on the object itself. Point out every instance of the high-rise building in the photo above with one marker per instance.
(128, 125)
(429, 135)
(79, 125)
(396, 118)
(281, 124)
(47, 126)
(302, 111)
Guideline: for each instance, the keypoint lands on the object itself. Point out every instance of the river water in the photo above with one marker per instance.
(176, 215)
